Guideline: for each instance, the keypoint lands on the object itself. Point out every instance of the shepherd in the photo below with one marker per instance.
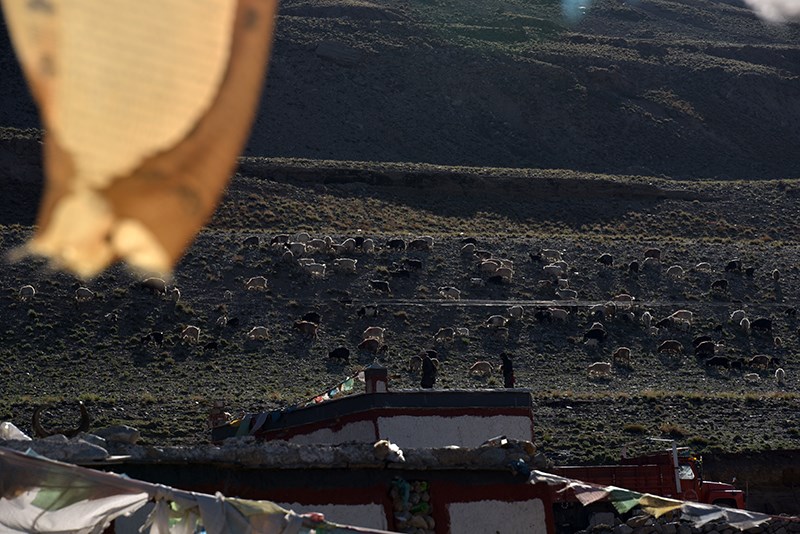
(508, 370)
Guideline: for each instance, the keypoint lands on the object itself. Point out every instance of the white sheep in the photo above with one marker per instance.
(156, 285)
(468, 249)
(482, 368)
(444, 334)
(744, 325)
(776, 275)
(256, 282)
(316, 269)
(563, 283)
(681, 315)
(622, 356)
(505, 273)
(780, 375)
(349, 244)
(599, 368)
(301, 237)
(558, 314)
(297, 248)
(551, 255)
(345, 265)
(258, 332)
(376, 332)
(752, 377)
(675, 272)
(737, 316)
(516, 312)
(83, 294)
(553, 271)
(703, 267)
(496, 321)
(489, 266)
(287, 257)
(191, 334)
(175, 294)
(647, 319)
(462, 332)
(449, 292)
(567, 294)
(368, 246)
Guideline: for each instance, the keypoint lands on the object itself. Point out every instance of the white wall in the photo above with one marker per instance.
(358, 515)
(498, 517)
(358, 431)
(464, 431)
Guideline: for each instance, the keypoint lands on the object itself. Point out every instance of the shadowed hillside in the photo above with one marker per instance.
(677, 88)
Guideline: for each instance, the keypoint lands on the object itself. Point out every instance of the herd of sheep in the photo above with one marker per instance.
(562, 304)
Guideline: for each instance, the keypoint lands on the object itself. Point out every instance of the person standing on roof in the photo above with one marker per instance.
(428, 372)
(508, 370)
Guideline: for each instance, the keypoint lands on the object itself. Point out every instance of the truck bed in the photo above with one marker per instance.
(655, 479)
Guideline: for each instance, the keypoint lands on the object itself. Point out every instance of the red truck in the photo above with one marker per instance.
(673, 473)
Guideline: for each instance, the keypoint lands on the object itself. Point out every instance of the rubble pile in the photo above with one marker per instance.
(671, 523)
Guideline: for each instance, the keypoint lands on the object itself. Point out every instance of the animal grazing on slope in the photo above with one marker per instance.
(445, 334)
(156, 285)
(258, 332)
(372, 345)
(622, 356)
(780, 375)
(719, 285)
(671, 345)
(599, 369)
(374, 332)
(496, 321)
(370, 310)
(191, 334)
(705, 349)
(83, 294)
(306, 327)
(482, 368)
(312, 317)
(256, 282)
(26, 293)
(380, 285)
(340, 353)
(42, 432)
(606, 259)
(449, 292)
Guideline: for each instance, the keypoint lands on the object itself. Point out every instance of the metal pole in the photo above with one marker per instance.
(677, 468)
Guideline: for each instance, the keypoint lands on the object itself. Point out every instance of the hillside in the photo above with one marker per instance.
(680, 88)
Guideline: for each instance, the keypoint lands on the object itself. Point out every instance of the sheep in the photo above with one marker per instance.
(751, 377)
(551, 255)
(228, 295)
(599, 369)
(761, 324)
(280, 239)
(411, 263)
(415, 364)
(380, 285)
(449, 292)
(505, 274)
(312, 317)
(733, 266)
(462, 332)
(307, 327)
(705, 349)
(111, 317)
(372, 345)
(622, 356)
(368, 246)
(296, 248)
(653, 253)
(482, 368)
(496, 321)
(345, 265)
(191, 334)
(567, 294)
(682, 315)
(543, 315)
(258, 333)
(623, 300)
(720, 285)
(340, 353)
(482, 254)
(349, 244)
(737, 316)
(675, 272)
(175, 295)
(516, 312)
(301, 237)
(428, 239)
(256, 283)
(316, 270)
(153, 338)
(595, 335)
(156, 285)
(605, 259)
(633, 267)
(650, 263)
(489, 266)
(671, 345)
(375, 332)
(558, 314)
(610, 309)
(370, 310)
(553, 270)
(759, 360)
(780, 375)
(703, 267)
(319, 245)
(647, 319)
(476, 282)
(420, 244)
(468, 250)
(562, 283)
(777, 342)
(83, 294)
(251, 241)
(744, 325)
(396, 244)
(444, 334)
(222, 321)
